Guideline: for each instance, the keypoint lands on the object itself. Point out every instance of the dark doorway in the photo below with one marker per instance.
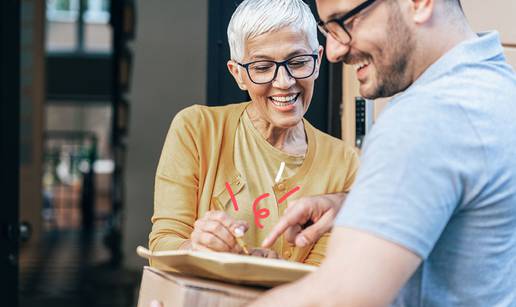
(72, 259)
(9, 145)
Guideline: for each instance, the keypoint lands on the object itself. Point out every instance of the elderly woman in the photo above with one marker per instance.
(240, 165)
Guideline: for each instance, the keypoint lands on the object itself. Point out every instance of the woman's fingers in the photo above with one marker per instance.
(242, 227)
(264, 253)
(216, 231)
(219, 230)
(209, 240)
(200, 247)
(236, 227)
(237, 249)
(272, 254)
(227, 221)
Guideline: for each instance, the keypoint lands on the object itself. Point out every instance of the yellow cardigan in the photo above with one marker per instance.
(197, 161)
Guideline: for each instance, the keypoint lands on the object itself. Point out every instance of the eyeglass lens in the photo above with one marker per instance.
(337, 32)
(298, 67)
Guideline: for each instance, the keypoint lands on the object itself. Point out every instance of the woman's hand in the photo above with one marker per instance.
(263, 252)
(216, 232)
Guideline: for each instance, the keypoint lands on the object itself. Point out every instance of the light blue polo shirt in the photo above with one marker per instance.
(438, 176)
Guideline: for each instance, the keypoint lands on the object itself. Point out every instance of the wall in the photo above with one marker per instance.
(94, 117)
(169, 74)
(499, 16)
(31, 113)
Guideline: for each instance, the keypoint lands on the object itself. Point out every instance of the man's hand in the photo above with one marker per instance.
(306, 219)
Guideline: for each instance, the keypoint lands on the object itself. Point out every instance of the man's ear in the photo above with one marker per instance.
(234, 69)
(422, 10)
(320, 54)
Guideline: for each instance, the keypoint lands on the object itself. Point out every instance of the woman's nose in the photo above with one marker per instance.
(283, 78)
(335, 50)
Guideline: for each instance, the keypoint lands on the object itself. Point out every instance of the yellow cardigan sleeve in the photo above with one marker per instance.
(176, 186)
(316, 255)
(354, 162)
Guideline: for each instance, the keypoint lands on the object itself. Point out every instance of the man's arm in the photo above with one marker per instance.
(360, 270)
(306, 219)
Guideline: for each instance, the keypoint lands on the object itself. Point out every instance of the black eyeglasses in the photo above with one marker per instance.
(338, 28)
(298, 67)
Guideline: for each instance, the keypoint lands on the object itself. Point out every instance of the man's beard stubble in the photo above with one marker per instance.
(392, 62)
(394, 77)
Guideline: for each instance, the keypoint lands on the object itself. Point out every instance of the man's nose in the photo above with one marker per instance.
(283, 78)
(335, 50)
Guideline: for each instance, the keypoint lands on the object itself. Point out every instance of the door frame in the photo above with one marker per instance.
(9, 147)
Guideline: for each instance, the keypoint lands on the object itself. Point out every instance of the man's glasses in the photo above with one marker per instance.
(339, 28)
(298, 67)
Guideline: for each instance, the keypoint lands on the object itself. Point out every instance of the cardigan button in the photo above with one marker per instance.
(281, 187)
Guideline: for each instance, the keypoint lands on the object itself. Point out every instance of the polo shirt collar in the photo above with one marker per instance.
(485, 46)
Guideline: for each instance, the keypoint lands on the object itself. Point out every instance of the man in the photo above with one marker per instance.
(431, 219)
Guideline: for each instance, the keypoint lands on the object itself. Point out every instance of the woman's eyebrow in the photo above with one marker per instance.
(297, 52)
(262, 57)
(259, 56)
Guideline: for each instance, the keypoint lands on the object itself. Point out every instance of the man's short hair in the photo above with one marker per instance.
(253, 18)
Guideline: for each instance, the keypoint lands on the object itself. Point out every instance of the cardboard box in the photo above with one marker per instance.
(178, 290)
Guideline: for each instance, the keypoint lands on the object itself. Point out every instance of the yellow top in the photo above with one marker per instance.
(258, 162)
(199, 157)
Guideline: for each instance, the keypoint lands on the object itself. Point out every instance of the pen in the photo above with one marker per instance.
(238, 233)
(238, 237)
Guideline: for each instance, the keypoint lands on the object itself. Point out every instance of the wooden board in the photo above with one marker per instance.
(228, 267)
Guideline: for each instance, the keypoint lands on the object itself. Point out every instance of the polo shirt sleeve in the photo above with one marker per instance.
(410, 181)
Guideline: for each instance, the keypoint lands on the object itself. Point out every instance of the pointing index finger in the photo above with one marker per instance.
(295, 216)
(277, 231)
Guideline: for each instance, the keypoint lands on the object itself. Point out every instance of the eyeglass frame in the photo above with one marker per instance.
(278, 65)
(341, 20)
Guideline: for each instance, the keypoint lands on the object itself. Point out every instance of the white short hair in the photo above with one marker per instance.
(256, 17)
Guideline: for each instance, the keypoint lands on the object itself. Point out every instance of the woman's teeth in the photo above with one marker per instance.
(358, 66)
(283, 101)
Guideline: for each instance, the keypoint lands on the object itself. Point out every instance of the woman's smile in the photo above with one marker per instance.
(285, 102)
(282, 102)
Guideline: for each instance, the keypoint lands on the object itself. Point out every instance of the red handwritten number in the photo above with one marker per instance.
(294, 190)
(232, 195)
(260, 213)
(263, 212)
